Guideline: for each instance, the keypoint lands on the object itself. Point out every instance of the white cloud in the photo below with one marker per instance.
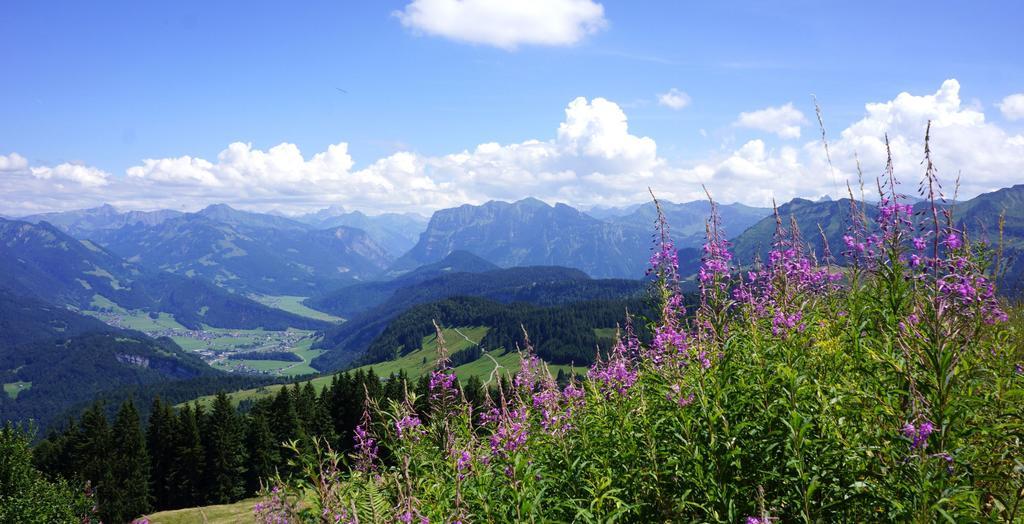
(504, 24)
(1012, 107)
(12, 162)
(784, 121)
(26, 189)
(76, 173)
(674, 99)
(963, 143)
(591, 158)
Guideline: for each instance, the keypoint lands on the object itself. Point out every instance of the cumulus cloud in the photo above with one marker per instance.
(674, 99)
(75, 173)
(963, 143)
(26, 189)
(592, 158)
(12, 162)
(1012, 107)
(503, 24)
(784, 121)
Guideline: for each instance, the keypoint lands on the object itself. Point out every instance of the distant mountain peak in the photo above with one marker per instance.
(531, 201)
(529, 232)
(216, 208)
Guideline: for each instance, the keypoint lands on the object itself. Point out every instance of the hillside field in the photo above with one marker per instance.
(418, 363)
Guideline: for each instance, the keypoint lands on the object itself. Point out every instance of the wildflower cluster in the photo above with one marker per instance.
(274, 508)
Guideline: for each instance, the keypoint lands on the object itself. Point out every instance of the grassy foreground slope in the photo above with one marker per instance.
(238, 512)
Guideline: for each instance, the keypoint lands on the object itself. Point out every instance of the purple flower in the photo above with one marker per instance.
(614, 376)
(511, 433)
(409, 425)
(783, 324)
(530, 371)
(574, 392)
(918, 434)
(442, 385)
(463, 464)
(676, 395)
(953, 241)
(366, 446)
(464, 461)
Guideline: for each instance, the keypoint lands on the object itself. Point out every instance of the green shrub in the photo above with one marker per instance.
(25, 496)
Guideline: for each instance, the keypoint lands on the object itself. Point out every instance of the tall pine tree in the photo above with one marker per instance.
(129, 497)
(160, 440)
(186, 473)
(225, 456)
(284, 418)
(264, 451)
(92, 452)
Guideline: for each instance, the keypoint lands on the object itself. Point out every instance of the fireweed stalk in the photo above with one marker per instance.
(792, 391)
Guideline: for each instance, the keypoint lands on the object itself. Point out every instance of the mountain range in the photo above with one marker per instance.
(395, 232)
(249, 252)
(84, 222)
(40, 261)
(566, 275)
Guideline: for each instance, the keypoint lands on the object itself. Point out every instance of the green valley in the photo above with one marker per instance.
(293, 304)
(420, 362)
(215, 345)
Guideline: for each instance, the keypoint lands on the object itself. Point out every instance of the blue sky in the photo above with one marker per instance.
(103, 86)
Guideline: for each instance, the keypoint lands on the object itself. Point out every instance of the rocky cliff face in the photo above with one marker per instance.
(530, 232)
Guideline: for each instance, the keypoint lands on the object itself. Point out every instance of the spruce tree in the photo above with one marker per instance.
(186, 473)
(284, 420)
(129, 497)
(394, 388)
(474, 391)
(160, 442)
(344, 409)
(372, 385)
(264, 451)
(225, 456)
(323, 425)
(55, 456)
(305, 406)
(92, 452)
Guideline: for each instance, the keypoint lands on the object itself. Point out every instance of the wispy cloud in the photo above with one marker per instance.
(674, 99)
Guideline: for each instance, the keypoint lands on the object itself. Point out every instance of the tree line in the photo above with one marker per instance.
(564, 334)
(196, 455)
